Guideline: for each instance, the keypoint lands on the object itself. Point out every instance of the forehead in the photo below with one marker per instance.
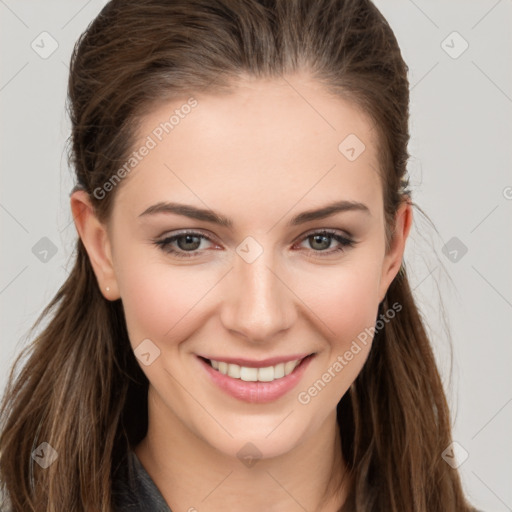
(266, 145)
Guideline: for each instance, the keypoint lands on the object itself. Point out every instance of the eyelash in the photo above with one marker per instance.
(165, 244)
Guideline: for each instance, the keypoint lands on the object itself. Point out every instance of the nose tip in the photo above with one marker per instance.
(258, 305)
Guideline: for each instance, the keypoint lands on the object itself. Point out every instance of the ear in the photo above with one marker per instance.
(394, 256)
(95, 238)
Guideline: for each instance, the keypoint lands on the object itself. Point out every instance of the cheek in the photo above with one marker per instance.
(158, 300)
(344, 300)
(346, 305)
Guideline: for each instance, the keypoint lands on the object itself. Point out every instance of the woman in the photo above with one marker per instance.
(238, 331)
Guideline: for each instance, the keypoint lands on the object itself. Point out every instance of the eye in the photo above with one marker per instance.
(321, 240)
(188, 244)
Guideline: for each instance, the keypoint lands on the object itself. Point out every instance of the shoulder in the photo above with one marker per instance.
(133, 490)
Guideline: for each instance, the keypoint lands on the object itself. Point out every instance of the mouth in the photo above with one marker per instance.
(254, 371)
(256, 382)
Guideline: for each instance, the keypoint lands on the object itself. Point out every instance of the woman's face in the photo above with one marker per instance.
(259, 285)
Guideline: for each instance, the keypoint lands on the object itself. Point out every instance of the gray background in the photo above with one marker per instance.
(461, 105)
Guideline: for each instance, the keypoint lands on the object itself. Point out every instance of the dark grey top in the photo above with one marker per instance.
(133, 489)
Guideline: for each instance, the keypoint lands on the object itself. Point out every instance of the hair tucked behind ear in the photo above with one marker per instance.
(81, 382)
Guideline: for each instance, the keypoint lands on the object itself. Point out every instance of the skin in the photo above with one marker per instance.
(259, 156)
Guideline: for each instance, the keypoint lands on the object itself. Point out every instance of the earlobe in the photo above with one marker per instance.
(95, 238)
(393, 258)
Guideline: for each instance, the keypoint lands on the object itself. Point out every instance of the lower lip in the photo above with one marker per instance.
(257, 392)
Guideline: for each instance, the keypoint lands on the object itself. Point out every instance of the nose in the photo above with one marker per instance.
(258, 304)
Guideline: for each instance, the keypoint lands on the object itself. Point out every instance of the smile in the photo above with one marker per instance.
(256, 382)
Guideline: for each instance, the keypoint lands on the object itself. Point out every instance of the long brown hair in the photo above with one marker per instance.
(81, 389)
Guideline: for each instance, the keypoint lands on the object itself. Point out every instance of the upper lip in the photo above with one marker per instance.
(263, 363)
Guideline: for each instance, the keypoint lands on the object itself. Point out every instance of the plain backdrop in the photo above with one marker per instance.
(458, 54)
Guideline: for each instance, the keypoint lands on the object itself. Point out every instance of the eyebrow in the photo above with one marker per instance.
(216, 218)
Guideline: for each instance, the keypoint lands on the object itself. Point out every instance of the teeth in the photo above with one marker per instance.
(267, 374)
(248, 374)
(234, 371)
(279, 371)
